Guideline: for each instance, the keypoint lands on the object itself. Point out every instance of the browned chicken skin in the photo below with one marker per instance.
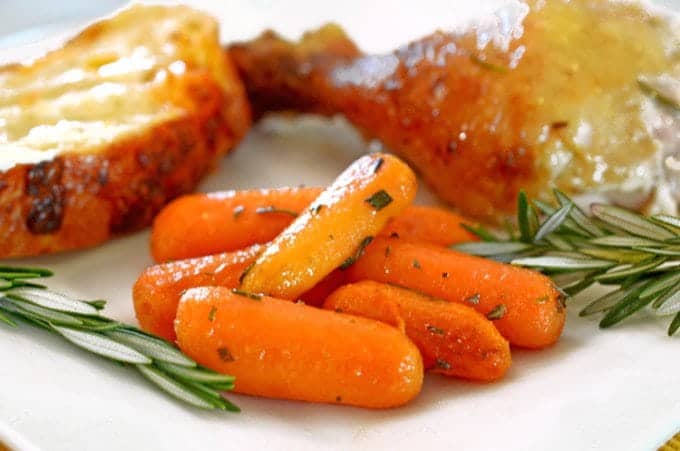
(536, 97)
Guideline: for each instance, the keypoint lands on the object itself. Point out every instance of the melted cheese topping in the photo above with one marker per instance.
(108, 83)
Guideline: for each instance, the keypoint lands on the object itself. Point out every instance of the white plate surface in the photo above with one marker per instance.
(595, 390)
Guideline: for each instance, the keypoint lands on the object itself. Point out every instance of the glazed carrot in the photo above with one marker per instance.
(203, 224)
(280, 349)
(524, 305)
(159, 288)
(319, 292)
(454, 339)
(336, 226)
(430, 225)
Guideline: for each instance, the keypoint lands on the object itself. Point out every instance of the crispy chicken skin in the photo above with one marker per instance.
(538, 96)
(129, 114)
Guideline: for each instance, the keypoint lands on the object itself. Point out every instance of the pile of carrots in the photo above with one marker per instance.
(340, 295)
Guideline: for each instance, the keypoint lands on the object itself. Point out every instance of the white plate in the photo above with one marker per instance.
(615, 389)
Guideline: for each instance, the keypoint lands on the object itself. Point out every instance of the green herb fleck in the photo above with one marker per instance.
(245, 272)
(487, 65)
(435, 330)
(498, 312)
(238, 210)
(211, 315)
(225, 355)
(273, 209)
(474, 299)
(542, 299)
(360, 251)
(561, 300)
(379, 199)
(253, 296)
(442, 364)
(378, 163)
(416, 264)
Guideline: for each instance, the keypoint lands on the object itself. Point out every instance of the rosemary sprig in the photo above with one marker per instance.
(612, 246)
(81, 323)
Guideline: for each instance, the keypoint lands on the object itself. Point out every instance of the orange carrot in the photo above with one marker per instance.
(280, 349)
(203, 224)
(525, 306)
(338, 224)
(159, 288)
(430, 225)
(318, 294)
(453, 339)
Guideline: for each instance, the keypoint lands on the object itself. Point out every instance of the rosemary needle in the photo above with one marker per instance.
(81, 323)
(638, 255)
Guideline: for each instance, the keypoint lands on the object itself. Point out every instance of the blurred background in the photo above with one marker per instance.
(23, 22)
(20, 15)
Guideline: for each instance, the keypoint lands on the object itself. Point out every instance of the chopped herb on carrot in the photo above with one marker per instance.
(238, 210)
(498, 312)
(474, 299)
(273, 209)
(435, 330)
(253, 296)
(379, 200)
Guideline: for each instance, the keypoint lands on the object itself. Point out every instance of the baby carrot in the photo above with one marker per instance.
(321, 290)
(157, 291)
(335, 228)
(453, 339)
(280, 349)
(203, 224)
(525, 305)
(159, 288)
(429, 225)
